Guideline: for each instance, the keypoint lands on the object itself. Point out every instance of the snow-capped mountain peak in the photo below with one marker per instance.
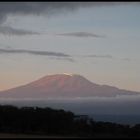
(64, 85)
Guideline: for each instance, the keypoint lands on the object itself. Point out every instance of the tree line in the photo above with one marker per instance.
(48, 121)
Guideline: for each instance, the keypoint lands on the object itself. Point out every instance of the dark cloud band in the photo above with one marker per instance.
(48, 8)
(7, 30)
(99, 56)
(81, 34)
(57, 55)
(42, 53)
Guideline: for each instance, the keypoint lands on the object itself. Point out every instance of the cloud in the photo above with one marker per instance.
(56, 55)
(48, 8)
(126, 59)
(7, 30)
(3, 18)
(63, 58)
(42, 53)
(81, 34)
(106, 57)
(99, 56)
(37, 8)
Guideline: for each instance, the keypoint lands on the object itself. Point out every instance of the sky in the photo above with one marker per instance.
(99, 41)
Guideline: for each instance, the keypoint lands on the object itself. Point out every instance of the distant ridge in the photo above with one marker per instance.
(64, 85)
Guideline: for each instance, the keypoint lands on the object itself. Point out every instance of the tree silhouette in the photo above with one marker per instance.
(47, 121)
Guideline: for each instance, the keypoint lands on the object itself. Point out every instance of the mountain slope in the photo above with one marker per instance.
(63, 85)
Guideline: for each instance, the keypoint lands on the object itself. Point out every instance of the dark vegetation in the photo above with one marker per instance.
(47, 121)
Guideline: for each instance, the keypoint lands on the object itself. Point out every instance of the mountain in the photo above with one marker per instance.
(63, 85)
